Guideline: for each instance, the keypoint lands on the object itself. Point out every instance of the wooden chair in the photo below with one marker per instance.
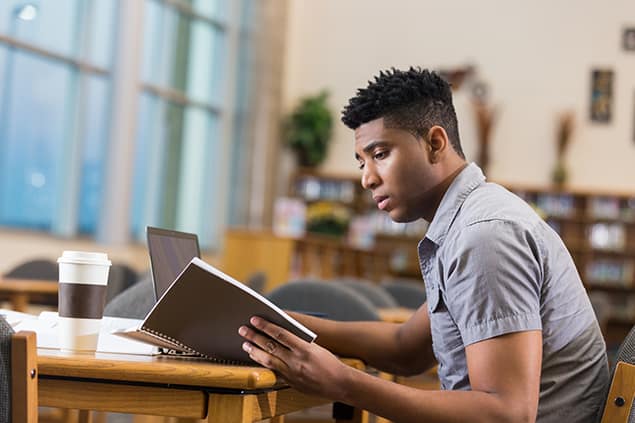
(18, 376)
(619, 402)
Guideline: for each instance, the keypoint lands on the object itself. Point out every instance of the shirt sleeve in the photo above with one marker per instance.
(493, 280)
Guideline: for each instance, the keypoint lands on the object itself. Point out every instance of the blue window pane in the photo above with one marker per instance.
(215, 9)
(198, 208)
(51, 24)
(94, 144)
(148, 164)
(201, 62)
(33, 135)
(102, 32)
(160, 43)
(218, 75)
(3, 55)
(153, 18)
(147, 104)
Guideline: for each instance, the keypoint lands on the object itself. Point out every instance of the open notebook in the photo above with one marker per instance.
(202, 311)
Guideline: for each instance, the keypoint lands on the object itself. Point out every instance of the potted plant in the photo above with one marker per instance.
(308, 129)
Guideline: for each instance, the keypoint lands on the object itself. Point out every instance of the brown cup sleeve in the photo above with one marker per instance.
(81, 301)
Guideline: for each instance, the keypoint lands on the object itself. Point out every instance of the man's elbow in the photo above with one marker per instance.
(521, 412)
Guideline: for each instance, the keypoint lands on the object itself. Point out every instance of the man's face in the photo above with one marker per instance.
(397, 170)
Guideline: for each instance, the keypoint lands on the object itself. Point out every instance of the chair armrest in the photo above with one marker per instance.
(620, 397)
(24, 377)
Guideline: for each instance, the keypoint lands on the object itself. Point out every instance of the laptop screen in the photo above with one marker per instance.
(170, 251)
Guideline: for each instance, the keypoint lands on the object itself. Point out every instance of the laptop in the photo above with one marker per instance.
(170, 252)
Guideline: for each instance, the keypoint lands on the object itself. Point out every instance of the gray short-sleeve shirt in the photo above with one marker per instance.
(492, 266)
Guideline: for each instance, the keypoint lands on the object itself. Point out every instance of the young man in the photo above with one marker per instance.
(507, 318)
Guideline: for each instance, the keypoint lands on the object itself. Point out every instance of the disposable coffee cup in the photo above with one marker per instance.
(83, 277)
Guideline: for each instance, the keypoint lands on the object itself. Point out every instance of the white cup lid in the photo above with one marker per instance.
(84, 257)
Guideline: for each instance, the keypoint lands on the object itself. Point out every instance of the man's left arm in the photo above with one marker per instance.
(504, 373)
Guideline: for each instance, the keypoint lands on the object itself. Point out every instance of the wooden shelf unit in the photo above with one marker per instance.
(395, 243)
(598, 229)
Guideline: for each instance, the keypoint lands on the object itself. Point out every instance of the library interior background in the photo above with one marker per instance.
(184, 114)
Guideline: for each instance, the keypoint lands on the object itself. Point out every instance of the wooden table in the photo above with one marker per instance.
(168, 386)
(21, 290)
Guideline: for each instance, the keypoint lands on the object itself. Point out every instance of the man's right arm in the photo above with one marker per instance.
(402, 349)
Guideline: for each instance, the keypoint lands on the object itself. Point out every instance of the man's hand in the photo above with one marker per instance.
(306, 366)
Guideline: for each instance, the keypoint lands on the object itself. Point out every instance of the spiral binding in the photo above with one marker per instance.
(163, 337)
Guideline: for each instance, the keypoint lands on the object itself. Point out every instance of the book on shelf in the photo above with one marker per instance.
(607, 236)
(201, 312)
(608, 272)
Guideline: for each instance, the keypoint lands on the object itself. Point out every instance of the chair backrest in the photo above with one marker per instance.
(38, 269)
(374, 293)
(408, 294)
(41, 269)
(619, 407)
(134, 302)
(601, 304)
(18, 376)
(257, 281)
(120, 277)
(334, 301)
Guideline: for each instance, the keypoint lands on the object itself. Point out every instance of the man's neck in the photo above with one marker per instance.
(442, 188)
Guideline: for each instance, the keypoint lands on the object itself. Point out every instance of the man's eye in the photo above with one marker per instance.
(380, 155)
(361, 165)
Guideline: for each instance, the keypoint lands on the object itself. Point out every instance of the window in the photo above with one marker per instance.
(179, 119)
(58, 64)
(55, 85)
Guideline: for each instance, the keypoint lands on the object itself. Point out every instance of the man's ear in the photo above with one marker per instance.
(437, 143)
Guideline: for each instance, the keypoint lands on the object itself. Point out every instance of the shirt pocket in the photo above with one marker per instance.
(433, 297)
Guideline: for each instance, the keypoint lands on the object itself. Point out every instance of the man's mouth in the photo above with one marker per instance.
(382, 201)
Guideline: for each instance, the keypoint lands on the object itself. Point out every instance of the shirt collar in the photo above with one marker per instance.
(464, 183)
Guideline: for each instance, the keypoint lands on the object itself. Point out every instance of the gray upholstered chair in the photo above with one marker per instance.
(134, 302)
(619, 407)
(408, 294)
(601, 304)
(257, 281)
(18, 375)
(373, 292)
(39, 269)
(329, 299)
(120, 277)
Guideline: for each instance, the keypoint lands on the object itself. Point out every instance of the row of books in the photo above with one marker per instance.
(607, 236)
(312, 189)
(622, 307)
(599, 207)
(292, 216)
(609, 272)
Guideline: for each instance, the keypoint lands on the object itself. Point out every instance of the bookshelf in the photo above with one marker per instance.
(366, 228)
(598, 229)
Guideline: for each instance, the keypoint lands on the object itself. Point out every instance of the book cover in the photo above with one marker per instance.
(202, 311)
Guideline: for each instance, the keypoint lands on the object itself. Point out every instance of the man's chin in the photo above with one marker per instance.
(397, 217)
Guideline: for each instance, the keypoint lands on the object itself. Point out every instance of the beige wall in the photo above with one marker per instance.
(536, 57)
(17, 246)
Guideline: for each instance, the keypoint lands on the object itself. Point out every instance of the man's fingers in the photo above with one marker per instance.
(265, 343)
(281, 335)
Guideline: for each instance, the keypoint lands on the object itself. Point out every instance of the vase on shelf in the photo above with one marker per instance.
(559, 174)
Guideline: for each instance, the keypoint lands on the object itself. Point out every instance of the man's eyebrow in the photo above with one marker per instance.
(370, 147)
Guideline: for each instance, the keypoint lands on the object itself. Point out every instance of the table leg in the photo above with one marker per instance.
(20, 301)
(85, 416)
(230, 409)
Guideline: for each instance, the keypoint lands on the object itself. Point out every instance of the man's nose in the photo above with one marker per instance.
(370, 180)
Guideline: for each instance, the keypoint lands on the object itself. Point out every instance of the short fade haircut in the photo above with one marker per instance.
(414, 100)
